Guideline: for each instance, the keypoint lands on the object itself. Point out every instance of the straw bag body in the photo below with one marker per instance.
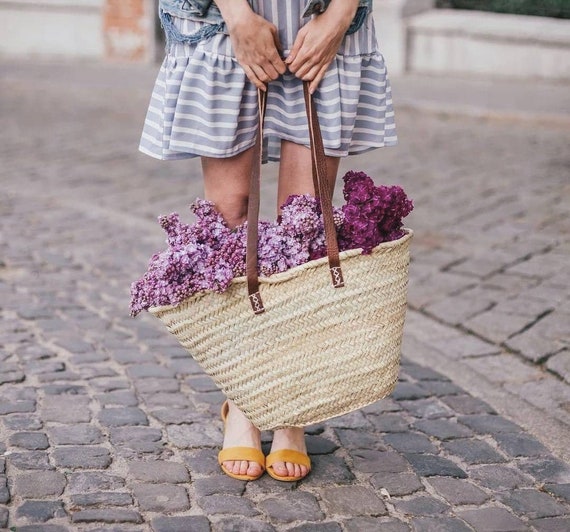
(325, 344)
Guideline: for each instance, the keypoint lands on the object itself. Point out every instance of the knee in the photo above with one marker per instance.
(234, 210)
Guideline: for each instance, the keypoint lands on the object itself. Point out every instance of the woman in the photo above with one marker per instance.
(205, 104)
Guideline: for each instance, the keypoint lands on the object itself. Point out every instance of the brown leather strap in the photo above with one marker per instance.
(253, 212)
(322, 191)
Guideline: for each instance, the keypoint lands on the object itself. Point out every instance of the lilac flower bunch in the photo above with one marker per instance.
(207, 255)
(372, 214)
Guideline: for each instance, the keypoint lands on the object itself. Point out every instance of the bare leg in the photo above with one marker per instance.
(295, 177)
(226, 183)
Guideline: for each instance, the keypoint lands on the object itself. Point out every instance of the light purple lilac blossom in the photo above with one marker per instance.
(208, 255)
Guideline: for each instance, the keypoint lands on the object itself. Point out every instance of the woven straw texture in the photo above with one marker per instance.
(316, 352)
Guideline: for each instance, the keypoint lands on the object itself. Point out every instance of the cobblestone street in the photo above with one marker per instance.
(107, 424)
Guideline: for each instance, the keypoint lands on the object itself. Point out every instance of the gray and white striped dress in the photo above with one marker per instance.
(204, 105)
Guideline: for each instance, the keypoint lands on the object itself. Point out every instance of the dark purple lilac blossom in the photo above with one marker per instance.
(207, 255)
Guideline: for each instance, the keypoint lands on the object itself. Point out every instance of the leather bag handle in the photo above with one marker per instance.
(322, 191)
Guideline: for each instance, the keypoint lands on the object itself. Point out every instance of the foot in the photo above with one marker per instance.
(240, 432)
(294, 439)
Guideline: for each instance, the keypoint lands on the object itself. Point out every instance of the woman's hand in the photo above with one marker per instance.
(318, 42)
(255, 42)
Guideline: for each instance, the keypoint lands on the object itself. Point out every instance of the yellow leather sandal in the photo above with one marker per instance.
(251, 454)
(287, 455)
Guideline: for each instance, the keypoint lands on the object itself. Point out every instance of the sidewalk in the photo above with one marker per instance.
(107, 424)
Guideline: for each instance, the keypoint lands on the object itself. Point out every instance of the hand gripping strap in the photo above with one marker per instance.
(322, 191)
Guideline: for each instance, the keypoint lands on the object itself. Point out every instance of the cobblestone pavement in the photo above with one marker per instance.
(106, 423)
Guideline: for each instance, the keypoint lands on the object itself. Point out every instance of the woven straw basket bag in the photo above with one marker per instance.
(318, 349)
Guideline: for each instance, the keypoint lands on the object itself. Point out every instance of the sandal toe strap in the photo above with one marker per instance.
(242, 453)
(288, 455)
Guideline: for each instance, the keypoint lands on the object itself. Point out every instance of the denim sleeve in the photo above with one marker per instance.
(314, 7)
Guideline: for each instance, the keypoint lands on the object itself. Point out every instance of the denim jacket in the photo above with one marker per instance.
(207, 11)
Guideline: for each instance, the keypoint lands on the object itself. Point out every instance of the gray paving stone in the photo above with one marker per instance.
(374, 524)
(534, 504)
(379, 461)
(420, 505)
(173, 399)
(22, 422)
(548, 469)
(466, 404)
(107, 515)
(63, 409)
(410, 442)
(176, 416)
(353, 501)
(110, 385)
(203, 461)
(292, 506)
(397, 484)
(427, 408)
(155, 385)
(37, 460)
(118, 398)
(57, 376)
(496, 326)
(42, 528)
(439, 524)
(390, 423)
(78, 434)
(328, 469)
(317, 527)
(11, 407)
(559, 490)
(161, 497)
(103, 498)
(4, 517)
(428, 465)
(492, 520)
(473, 451)
(40, 511)
(499, 477)
(422, 373)
(192, 436)
(407, 391)
(357, 439)
(442, 429)
(159, 471)
(182, 523)
(218, 485)
(33, 441)
(520, 444)
(489, 424)
(227, 504)
(12, 376)
(82, 457)
(560, 364)
(353, 420)
(64, 389)
(551, 524)
(4, 493)
(458, 492)
(120, 417)
(320, 445)
(142, 371)
(238, 524)
(440, 388)
(39, 484)
(132, 356)
(136, 434)
(94, 481)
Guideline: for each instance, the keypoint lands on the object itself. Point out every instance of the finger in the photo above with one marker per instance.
(276, 39)
(318, 78)
(270, 70)
(309, 74)
(295, 49)
(261, 73)
(253, 78)
(278, 63)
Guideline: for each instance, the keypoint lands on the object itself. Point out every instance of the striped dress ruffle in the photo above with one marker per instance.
(204, 105)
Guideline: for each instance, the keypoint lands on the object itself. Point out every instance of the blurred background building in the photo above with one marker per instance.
(503, 38)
